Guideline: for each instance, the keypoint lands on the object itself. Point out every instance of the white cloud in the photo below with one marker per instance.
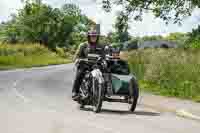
(148, 26)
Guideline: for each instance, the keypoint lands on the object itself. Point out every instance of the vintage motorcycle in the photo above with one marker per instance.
(104, 78)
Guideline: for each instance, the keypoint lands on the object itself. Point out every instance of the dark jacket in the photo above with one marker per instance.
(85, 48)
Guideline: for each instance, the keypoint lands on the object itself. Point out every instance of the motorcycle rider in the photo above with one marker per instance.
(87, 47)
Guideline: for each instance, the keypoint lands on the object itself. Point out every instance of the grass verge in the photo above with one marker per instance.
(26, 56)
(171, 72)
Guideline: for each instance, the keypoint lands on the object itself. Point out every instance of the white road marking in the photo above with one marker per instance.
(15, 84)
(18, 94)
(183, 113)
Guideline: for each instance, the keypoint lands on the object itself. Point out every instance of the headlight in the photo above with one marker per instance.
(104, 63)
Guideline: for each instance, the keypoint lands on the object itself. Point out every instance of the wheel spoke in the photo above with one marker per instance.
(97, 101)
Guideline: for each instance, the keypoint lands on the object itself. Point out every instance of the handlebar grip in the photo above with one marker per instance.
(83, 60)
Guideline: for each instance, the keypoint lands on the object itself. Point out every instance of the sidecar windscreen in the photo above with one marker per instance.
(119, 67)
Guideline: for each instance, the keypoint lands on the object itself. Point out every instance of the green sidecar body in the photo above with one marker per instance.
(121, 77)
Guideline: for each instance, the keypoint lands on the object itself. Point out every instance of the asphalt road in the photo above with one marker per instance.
(39, 101)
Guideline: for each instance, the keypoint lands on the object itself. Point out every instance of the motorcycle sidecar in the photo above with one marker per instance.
(123, 84)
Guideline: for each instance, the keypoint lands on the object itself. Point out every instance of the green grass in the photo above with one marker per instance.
(28, 55)
(172, 72)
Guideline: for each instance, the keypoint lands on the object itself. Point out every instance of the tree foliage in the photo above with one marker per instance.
(167, 10)
(112, 37)
(179, 38)
(39, 22)
(194, 39)
(152, 38)
(121, 26)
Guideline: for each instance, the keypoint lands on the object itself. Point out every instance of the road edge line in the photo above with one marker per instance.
(185, 114)
(179, 112)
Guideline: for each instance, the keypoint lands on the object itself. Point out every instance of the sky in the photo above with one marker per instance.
(149, 25)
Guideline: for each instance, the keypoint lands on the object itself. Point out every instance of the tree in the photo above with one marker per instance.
(104, 40)
(8, 31)
(121, 26)
(194, 38)
(112, 37)
(167, 10)
(71, 10)
(39, 22)
(179, 38)
(81, 25)
(176, 36)
(195, 34)
(152, 38)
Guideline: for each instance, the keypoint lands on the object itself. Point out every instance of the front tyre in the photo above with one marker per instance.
(97, 95)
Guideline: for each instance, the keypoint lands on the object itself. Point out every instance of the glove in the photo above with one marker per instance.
(76, 62)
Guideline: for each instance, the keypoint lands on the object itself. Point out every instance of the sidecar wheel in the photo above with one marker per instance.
(134, 94)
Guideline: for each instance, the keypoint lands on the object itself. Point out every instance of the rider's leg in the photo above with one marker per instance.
(77, 82)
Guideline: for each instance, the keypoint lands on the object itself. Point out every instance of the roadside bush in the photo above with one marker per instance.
(64, 53)
(193, 44)
(21, 55)
(60, 52)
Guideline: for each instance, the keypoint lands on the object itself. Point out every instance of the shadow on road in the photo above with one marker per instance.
(145, 113)
(123, 112)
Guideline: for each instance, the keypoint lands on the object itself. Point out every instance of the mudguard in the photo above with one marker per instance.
(98, 75)
(120, 83)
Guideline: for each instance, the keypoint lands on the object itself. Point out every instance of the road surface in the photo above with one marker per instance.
(38, 100)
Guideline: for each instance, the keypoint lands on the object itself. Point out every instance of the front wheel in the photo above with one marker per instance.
(97, 95)
(133, 96)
